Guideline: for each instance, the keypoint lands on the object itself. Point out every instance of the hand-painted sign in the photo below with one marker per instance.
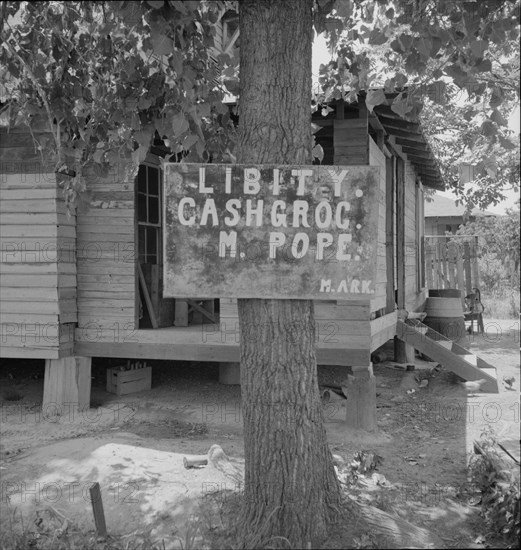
(246, 231)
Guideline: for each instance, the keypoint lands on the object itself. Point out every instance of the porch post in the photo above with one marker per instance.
(403, 353)
(67, 384)
(361, 399)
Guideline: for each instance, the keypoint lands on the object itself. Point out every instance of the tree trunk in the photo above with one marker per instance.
(291, 489)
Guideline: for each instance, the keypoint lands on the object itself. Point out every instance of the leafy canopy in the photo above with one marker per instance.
(96, 81)
(101, 80)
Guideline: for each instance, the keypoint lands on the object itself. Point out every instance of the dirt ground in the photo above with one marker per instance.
(134, 446)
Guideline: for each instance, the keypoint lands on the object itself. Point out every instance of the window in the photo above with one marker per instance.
(149, 214)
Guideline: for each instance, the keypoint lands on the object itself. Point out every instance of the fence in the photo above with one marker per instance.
(452, 262)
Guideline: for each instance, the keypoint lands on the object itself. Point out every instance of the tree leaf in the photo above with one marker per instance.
(488, 128)
(318, 152)
(377, 37)
(156, 4)
(162, 45)
(179, 124)
(399, 105)
(498, 118)
(506, 144)
(189, 141)
(373, 98)
(478, 48)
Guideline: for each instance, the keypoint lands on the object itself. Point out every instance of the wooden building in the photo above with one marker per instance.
(89, 283)
(74, 284)
(443, 215)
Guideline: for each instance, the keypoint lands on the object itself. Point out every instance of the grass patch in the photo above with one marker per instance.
(501, 304)
(499, 482)
(47, 529)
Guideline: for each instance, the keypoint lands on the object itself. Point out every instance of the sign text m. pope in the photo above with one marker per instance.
(246, 231)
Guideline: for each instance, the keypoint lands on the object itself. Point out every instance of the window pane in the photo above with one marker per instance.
(152, 245)
(142, 179)
(142, 240)
(141, 207)
(153, 181)
(153, 210)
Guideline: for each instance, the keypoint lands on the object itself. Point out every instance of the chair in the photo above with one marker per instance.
(474, 311)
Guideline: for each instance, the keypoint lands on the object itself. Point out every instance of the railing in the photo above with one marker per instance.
(452, 262)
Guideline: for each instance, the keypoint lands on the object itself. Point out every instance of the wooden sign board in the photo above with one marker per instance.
(245, 231)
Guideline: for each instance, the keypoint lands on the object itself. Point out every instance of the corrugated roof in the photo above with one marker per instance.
(441, 207)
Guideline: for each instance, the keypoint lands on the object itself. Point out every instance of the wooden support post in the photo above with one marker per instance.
(340, 109)
(230, 374)
(389, 230)
(402, 351)
(380, 139)
(361, 399)
(475, 267)
(67, 383)
(466, 267)
(97, 509)
(429, 264)
(148, 300)
(181, 313)
(460, 279)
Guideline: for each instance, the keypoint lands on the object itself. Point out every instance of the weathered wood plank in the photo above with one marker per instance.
(8, 231)
(13, 352)
(26, 338)
(37, 294)
(182, 347)
(29, 194)
(106, 267)
(94, 221)
(27, 318)
(108, 213)
(42, 281)
(37, 269)
(114, 292)
(11, 305)
(109, 197)
(106, 234)
(100, 205)
(351, 124)
(21, 255)
(12, 179)
(32, 205)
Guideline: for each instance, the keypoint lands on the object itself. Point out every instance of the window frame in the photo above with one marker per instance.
(143, 255)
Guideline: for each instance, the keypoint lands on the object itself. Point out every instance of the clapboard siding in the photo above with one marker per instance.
(107, 256)
(351, 141)
(379, 300)
(413, 297)
(37, 261)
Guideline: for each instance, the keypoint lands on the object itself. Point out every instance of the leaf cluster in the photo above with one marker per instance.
(447, 63)
(101, 81)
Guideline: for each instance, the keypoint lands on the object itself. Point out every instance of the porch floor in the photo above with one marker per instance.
(220, 343)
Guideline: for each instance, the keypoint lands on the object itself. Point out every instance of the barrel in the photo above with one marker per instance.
(445, 293)
(445, 314)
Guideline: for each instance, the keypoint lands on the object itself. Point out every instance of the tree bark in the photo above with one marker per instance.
(291, 489)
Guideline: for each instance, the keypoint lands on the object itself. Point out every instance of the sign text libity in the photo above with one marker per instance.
(250, 231)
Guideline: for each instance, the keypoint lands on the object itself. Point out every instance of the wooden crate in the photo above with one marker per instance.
(122, 382)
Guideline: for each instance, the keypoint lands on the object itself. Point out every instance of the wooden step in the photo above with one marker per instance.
(451, 355)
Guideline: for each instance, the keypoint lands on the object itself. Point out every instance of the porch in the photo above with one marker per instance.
(338, 342)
